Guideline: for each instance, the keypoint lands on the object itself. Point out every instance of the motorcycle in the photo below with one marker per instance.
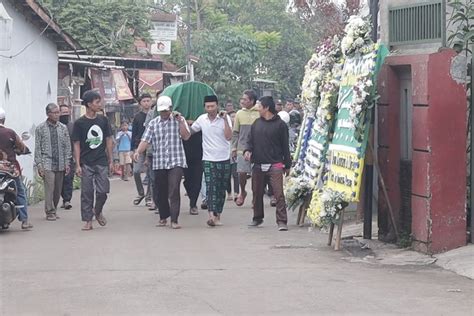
(8, 193)
(8, 188)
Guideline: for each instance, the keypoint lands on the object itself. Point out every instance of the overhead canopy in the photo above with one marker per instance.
(188, 98)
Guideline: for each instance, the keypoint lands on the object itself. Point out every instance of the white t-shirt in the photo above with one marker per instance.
(215, 147)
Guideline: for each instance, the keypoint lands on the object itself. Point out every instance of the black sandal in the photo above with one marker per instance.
(101, 219)
(211, 223)
(138, 200)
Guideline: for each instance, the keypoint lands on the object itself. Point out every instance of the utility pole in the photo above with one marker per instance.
(190, 66)
(471, 156)
(369, 168)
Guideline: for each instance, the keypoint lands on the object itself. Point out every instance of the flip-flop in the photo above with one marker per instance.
(162, 223)
(138, 200)
(175, 226)
(241, 199)
(101, 220)
(86, 229)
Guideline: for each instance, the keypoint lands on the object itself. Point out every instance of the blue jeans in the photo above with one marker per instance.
(21, 200)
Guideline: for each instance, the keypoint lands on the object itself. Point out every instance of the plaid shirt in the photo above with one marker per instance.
(168, 150)
(52, 146)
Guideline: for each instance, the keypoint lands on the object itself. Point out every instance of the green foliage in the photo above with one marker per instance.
(405, 240)
(228, 60)
(284, 44)
(34, 189)
(462, 20)
(107, 27)
(76, 184)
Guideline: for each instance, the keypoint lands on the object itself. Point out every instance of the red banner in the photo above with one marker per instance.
(111, 84)
(151, 81)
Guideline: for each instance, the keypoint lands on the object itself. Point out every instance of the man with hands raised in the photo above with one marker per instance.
(216, 130)
(165, 133)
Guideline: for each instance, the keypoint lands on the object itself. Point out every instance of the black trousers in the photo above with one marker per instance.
(233, 178)
(192, 181)
(168, 183)
(68, 182)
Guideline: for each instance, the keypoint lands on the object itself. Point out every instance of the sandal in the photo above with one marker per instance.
(101, 219)
(138, 199)
(162, 223)
(175, 226)
(241, 199)
(26, 225)
(87, 226)
(211, 223)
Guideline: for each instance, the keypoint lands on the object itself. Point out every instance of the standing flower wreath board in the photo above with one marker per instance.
(341, 183)
(318, 99)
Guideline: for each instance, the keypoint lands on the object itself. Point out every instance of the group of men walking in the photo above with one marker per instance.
(166, 147)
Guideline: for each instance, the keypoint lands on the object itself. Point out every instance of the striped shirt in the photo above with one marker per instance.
(242, 124)
(52, 146)
(168, 150)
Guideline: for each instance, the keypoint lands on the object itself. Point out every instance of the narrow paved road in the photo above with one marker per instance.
(131, 267)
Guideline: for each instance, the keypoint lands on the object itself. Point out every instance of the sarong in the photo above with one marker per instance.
(217, 175)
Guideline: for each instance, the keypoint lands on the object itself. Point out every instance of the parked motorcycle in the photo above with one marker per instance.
(8, 193)
(8, 188)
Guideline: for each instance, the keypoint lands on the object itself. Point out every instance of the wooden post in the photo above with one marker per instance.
(331, 234)
(337, 246)
(303, 210)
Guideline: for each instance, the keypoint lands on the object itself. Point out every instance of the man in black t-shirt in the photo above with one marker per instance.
(93, 143)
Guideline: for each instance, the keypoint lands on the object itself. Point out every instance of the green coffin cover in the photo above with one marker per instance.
(188, 98)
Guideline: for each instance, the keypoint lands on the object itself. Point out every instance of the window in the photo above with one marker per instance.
(7, 91)
(419, 23)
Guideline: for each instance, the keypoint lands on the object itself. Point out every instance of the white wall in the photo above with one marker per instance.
(28, 76)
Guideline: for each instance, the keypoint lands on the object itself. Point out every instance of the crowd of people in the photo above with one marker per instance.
(216, 154)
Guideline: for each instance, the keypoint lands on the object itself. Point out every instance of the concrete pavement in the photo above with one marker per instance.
(131, 267)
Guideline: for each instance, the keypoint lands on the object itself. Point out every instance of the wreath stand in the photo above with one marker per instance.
(303, 209)
(337, 246)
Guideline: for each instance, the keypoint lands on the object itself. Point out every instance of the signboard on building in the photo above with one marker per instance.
(164, 31)
(161, 48)
(121, 85)
(112, 85)
(151, 81)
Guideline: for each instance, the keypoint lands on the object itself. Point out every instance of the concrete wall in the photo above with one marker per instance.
(438, 149)
(28, 76)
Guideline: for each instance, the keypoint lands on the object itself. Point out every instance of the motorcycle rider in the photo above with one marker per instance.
(11, 145)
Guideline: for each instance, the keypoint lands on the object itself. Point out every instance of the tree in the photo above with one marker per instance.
(325, 17)
(284, 44)
(107, 27)
(228, 61)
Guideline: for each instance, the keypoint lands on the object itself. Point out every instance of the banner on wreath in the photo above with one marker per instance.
(349, 142)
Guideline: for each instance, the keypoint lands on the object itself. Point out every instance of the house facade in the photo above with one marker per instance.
(29, 68)
(422, 126)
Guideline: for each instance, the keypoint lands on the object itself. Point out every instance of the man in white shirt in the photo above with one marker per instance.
(216, 136)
